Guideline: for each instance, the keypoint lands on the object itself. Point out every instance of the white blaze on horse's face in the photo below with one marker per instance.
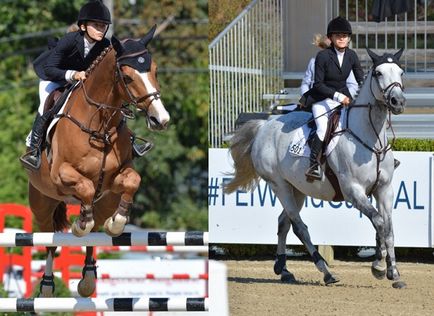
(389, 76)
(156, 111)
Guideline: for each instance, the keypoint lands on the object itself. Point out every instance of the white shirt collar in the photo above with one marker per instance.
(87, 46)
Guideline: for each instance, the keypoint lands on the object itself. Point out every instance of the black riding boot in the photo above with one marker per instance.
(314, 172)
(140, 148)
(32, 158)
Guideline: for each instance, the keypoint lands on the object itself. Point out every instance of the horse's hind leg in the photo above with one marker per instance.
(126, 183)
(46, 286)
(280, 263)
(43, 209)
(292, 201)
(86, 286)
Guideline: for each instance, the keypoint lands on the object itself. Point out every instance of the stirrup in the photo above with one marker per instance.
(313, 173)
(139, 150)
(31, 160)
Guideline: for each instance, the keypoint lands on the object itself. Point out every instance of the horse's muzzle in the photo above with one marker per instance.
(397, 104)
(156, 125)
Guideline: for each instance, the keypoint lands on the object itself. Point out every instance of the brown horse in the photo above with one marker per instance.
(91, 154)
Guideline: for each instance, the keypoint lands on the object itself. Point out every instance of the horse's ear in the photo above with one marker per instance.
(117, 45)
(148, 37)
(399, 53)
(371, 54)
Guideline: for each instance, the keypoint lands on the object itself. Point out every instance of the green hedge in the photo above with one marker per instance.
(408, 144)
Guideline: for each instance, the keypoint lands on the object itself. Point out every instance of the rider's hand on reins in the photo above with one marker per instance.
(79, 75)
(346, 101)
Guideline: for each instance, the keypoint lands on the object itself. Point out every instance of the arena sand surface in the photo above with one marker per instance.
(254, 289)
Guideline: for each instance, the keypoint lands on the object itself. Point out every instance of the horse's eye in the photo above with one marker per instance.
(127, 79)
(378, 74)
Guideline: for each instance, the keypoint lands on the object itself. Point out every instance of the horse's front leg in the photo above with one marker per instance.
(378, 267)
(73, 182)
(384, 197)
(46, 287)
(126, 183)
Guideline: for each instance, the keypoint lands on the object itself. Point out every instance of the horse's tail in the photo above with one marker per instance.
(245, 176)
(60, 220)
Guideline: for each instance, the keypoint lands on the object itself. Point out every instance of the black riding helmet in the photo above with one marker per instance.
(339, 25)
(94, 10)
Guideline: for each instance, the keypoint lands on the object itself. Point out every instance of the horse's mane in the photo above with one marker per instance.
(98, 60)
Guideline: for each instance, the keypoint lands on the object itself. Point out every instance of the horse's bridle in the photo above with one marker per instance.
(133, 99)
(386, 92)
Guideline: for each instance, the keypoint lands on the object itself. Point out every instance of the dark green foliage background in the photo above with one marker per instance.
(174, 174)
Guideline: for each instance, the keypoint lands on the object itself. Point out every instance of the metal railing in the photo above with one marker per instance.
(245, 61)
(412, 30)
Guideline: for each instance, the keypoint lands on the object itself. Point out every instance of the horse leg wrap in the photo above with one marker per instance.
(47, 280)
(89, 266)
(279, 264)
(123, 209)
(86, 216)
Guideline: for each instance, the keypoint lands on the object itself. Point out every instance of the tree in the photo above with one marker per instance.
(174, 174)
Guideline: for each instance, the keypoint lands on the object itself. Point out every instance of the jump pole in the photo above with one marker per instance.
(135, 304)
(193, 238)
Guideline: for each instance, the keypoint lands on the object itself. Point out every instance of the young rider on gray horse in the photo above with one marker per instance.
(66, 62)
(332, 68)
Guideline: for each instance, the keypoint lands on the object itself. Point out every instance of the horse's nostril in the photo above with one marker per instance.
(393, 100)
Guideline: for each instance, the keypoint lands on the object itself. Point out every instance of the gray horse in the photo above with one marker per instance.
(362, 162)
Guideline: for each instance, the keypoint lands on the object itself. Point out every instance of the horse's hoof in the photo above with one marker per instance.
(78, 232)
(287, 277)
(399, 285)
(393, 274)
(378, 274)
(112, 228)
(330, 279)
(86, 287)
(279, 264)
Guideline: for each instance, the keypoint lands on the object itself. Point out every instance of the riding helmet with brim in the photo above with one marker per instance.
(339, 25)
(94, 10)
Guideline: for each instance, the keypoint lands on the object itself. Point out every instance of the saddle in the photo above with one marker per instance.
(56, 98)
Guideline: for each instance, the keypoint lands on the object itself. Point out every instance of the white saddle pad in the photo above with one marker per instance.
(299, 146)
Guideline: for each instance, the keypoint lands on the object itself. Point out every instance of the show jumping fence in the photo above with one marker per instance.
(156, 241)
(194, 238)
(137, 304)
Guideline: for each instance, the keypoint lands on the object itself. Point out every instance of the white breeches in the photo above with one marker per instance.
(320, 111)
(45, 88)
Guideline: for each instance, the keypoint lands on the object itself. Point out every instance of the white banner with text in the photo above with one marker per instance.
(251, 217)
